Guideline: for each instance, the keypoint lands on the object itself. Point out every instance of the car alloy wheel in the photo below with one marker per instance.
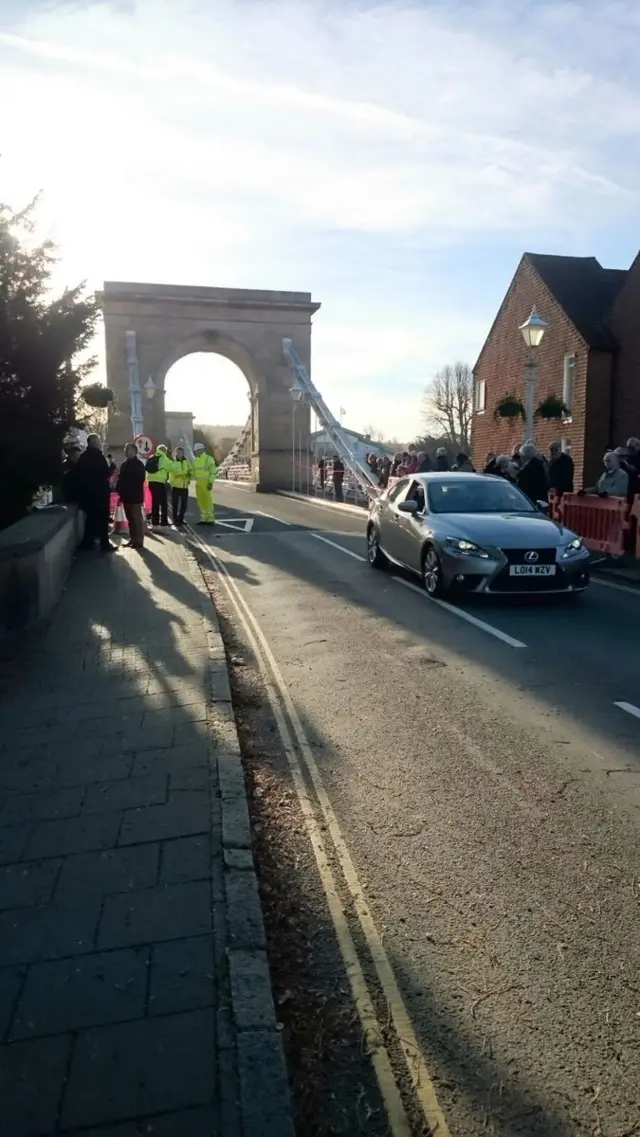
(375, 556)
(432, 572)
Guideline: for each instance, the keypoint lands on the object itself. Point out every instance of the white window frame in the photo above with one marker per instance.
(480, 396)
(568, 384)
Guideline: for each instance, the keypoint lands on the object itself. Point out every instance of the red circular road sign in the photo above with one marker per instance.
(146, 445)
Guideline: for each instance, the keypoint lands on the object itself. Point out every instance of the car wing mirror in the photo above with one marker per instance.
(408, 507)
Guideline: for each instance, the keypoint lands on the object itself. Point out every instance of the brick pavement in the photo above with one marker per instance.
(134, 986)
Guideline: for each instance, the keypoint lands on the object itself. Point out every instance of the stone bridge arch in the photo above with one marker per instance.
(246, 326)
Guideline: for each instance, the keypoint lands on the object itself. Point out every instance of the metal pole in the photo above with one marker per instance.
(293, 448)
(530, 387)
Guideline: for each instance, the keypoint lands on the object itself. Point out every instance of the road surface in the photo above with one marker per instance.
(483, 766)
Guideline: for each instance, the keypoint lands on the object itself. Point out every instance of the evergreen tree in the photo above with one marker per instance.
(41, 337)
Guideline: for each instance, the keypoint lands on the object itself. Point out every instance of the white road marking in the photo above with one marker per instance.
(240, 524)
(462, 615)
(272, 517)
(616, 586)
(279, 697)
(629, 708)
(321, 503)
(335, 545)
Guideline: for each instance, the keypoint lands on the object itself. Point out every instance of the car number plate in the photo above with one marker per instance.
(532, 570)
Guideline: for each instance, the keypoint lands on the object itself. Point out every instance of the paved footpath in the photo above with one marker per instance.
(134, 988)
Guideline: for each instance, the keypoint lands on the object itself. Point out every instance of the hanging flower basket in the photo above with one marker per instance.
(96, 395)
(552, 408)
(509, 407)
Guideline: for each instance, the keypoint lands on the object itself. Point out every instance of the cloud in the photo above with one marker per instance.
(384, 118)
(231, 141)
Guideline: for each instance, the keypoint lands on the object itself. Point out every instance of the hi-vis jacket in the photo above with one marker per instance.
(204, 468)
(180, 474)
(164, 466)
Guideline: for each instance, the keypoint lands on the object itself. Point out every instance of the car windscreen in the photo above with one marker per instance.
(481, 495)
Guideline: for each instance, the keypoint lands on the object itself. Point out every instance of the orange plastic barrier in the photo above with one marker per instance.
(635, 513)
(602, 522)
(114, 500)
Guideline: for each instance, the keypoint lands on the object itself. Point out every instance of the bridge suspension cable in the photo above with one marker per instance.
(335, 431)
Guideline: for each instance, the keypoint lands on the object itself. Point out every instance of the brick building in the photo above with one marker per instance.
(589, 357)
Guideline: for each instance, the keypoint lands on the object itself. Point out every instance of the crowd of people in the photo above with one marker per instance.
(414, 461)
(90, 480)
(537, 475)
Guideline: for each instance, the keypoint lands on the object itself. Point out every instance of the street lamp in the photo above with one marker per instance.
(296, 393)
(149, 388)
(532, 330)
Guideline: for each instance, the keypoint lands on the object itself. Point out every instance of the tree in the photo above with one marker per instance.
(431, 443)
(448, 402)
(203, 435)
(41, 336)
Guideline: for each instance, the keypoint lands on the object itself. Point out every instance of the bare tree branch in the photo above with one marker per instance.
(448, 402)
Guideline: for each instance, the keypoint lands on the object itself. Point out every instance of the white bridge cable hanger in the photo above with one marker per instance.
(237, 449)
(335, 431)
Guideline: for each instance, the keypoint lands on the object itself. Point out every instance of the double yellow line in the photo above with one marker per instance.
(296, 743)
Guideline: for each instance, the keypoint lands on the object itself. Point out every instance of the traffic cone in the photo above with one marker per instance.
(121, 525)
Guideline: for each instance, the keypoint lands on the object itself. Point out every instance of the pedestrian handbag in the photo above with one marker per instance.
(153, 464)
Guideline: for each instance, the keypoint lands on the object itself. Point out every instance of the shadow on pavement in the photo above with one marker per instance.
(104, 761)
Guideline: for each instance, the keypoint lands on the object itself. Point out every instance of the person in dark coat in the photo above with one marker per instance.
(92, 490)
(424, 462)
(532, 475)
(130, 490)
(321, 473)
(442, 462)
(464, 464)
(338, 478)
(70, 475)
(631, 465)
(559, 470)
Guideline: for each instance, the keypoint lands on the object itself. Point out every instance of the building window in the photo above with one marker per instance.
(567, 382)
(480, 395)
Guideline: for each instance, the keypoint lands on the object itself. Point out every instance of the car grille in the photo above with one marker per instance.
(517, 556)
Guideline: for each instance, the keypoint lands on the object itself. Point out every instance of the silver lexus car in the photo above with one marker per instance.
(471, 533)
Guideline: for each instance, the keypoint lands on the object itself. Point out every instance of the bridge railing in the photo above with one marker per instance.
(235, 472)
(234, 465)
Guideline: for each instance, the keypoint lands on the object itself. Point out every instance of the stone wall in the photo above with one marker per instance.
(245, 326)
(35, 557)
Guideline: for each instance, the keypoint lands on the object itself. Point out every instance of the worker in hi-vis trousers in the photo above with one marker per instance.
(204, 473)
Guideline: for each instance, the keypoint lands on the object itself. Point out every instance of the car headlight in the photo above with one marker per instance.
(461, 545)
(572, 548)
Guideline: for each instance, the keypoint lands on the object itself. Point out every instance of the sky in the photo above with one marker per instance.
(395, 159)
